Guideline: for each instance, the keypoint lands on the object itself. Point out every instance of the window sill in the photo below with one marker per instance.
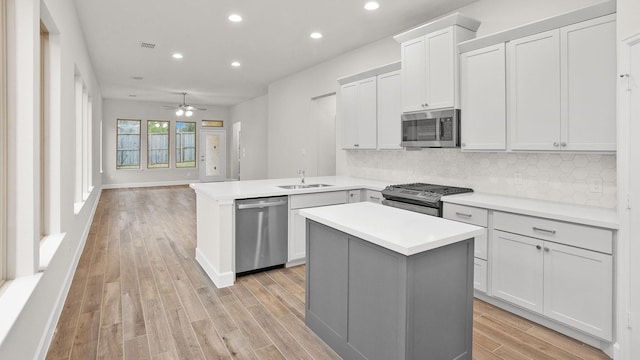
(14, 295)
(49, 245)
(77, 207)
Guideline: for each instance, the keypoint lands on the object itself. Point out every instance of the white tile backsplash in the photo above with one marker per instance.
(571, 178)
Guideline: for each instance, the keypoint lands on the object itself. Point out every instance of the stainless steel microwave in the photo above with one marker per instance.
(431, 129)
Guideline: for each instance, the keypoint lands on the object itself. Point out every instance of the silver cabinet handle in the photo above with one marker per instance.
(538, 247)
(544, 230)
(374, 198)
(261, 205)
(563, 144)
(546, 249)
(556, 144)
(463, 214)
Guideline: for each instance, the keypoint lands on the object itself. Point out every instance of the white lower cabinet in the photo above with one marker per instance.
(373, 196)
(475, 216)
(480, 274)
(517, 273)
(555, 270)
(578, 287)
(297, 234)
(571, 285)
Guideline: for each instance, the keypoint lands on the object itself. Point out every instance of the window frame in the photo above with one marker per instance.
(195, 145)
(168, 149)
(139, 144)
(3, 143)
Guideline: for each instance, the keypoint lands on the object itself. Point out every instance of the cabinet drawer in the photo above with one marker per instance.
(582, 236)
(373, 196)
(318, 199)
(480, 275)
(466, 214)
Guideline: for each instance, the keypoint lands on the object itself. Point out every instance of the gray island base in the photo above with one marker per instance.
(368, 302)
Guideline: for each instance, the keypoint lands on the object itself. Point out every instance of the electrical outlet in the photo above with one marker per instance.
(517, 178)
(595, 185)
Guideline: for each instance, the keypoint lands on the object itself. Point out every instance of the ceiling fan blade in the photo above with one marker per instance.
(201, 109)
(171, 107)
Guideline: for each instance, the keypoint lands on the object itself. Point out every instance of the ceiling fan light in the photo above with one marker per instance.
(179, 112)
(188, 113)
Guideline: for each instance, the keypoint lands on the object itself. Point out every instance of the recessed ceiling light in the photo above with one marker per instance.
(177, 56)
(235, 64)
(137, 77)
(371, 5)
(132, 95)
(316, 35)
(235, 18)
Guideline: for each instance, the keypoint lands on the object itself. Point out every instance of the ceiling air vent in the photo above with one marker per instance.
(147, 45)
(137, 77)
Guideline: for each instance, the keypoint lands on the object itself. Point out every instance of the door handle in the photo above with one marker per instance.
(552, 232)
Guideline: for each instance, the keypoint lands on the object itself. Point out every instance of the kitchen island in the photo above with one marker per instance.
(385, 283)
(215, 211)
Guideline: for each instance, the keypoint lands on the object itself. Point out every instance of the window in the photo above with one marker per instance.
(128, 151)
(157, 144)
(185, 144)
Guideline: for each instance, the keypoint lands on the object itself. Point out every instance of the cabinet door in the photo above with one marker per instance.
(578, 288)
(348, 115)
(440, 69)
(534, 91)
(517, 270)
(588, 52)
(483, 99)
(367, 113)
(414, 74)
(297, 236)
(389, 111)
(355, 196)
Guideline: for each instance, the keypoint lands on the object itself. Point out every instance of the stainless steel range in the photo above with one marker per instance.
(420, 197)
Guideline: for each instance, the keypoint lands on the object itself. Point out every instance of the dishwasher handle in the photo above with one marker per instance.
(261, 205)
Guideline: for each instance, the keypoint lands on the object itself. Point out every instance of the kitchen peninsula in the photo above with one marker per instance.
(215, 211)
(386, 283)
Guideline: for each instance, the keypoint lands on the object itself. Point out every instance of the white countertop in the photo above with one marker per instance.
(232, 190)
(587, 215)
(402, 231)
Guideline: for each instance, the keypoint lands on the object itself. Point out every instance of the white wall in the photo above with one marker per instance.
(29, 336)
(628, 246)
(140, 110)
(292, 146)
(253, 139)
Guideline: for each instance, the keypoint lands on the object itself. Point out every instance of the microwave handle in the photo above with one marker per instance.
(438, 135)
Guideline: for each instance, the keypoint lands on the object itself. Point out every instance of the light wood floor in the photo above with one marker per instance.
(139, 294)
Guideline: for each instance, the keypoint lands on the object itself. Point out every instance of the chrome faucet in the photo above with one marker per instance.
(301, 174)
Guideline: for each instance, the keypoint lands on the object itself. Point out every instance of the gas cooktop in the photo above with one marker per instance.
(421, 193)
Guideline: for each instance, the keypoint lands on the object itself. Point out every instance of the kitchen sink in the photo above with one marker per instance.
(303, 186)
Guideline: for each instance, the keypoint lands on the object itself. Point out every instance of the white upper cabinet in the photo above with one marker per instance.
(370, 109)
(414, 74)
(483, 100)
(534, 91)
(560, 85)
(430, 62)
(429, 70)
(588, 53)
(389, 111)
(562, 88)
(358, 106)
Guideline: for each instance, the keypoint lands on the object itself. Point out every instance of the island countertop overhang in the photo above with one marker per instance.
(405, 232)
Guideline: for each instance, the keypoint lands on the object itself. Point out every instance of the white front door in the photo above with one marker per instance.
(213, 153)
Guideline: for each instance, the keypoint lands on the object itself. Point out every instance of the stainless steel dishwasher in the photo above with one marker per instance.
(261, 233)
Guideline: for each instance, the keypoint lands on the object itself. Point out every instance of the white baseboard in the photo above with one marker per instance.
(221, 280)
(296, 262)
(149, 184)
(45, 342)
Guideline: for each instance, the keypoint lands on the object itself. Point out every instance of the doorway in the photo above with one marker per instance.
(323, 120)
(213, 154)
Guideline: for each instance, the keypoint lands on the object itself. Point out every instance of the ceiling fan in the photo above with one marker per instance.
(184, 108)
